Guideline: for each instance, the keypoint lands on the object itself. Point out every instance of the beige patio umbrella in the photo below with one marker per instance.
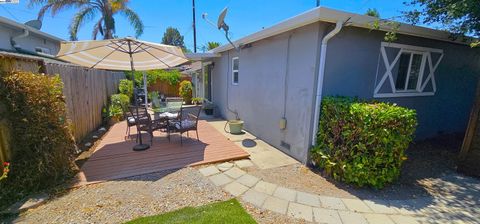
(122, 54)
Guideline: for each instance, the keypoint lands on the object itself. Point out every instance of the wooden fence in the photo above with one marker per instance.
(86, 92)
(167, 89)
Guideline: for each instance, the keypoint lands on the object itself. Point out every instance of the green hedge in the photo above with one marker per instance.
(363, 143)
(126, 87)
(42, 146)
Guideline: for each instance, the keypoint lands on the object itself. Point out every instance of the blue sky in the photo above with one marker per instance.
(244, 16)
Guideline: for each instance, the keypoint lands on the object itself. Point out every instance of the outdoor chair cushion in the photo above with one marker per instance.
(185, 124)
(168, 115)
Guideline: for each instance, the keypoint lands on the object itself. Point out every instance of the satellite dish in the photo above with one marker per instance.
(36, 24)
(221, 18)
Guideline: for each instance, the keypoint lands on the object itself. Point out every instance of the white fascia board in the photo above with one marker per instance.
(201, 56)
(332, 16)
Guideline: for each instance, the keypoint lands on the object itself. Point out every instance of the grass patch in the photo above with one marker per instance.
(221, 212)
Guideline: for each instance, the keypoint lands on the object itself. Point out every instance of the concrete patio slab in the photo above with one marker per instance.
(380, 206)
(276, 205)
(244, 163)
(225, 166)
(208, 171)
(332, 203)
(378, 219)
(322, 215)
(401, 219)
(220, 179)
(300, 211)
(265, 187)
(234, 172)
(235, 188)
(308, 199)
(356, 205)
(254, 197)
(349, 217)
(248, 180)
(285, 193)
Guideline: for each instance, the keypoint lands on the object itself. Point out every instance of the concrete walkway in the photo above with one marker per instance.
(324, 209)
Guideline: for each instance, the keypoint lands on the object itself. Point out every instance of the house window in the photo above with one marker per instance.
(235, 66)
(406, 70)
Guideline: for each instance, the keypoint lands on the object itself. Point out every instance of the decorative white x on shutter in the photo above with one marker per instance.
(425, 83)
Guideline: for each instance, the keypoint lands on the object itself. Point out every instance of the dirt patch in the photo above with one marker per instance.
(427, 161)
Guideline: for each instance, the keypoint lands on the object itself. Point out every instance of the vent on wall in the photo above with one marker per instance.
(285, 145)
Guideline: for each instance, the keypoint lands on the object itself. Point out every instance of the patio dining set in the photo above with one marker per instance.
(169, 116)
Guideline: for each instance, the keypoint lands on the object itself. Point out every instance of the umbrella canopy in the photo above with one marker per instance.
(121, 54)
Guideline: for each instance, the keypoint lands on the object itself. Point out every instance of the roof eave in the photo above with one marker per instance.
(30, 29)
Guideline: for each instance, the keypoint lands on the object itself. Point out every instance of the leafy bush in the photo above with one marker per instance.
(185, 91)
(118, 103)
(197, 100)
(126, 87)
(363, 143)
(43, 149)
(171, 77)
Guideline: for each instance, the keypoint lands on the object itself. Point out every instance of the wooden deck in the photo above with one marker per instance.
(114, 157)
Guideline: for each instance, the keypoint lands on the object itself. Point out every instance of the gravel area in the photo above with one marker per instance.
(126, 199)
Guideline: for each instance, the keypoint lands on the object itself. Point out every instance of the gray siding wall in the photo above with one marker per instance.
(28, 43)
(351, 70)
(261, 98)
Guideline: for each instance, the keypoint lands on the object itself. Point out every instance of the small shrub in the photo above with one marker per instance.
(363, 143)
(43, 149)
(118, 103)
(185, 91)
(172, 77)
(126, 87)
(197, 100)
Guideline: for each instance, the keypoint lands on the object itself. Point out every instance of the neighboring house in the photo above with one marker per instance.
(21, 38)
(281, 73)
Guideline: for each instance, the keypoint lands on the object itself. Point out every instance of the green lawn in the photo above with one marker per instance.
(221, 212)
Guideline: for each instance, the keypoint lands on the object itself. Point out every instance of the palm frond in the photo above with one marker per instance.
(97, 28)
(134, 20)
(78, 20)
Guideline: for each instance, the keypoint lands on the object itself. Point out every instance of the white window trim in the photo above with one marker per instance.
(233, 70)
(421, 84)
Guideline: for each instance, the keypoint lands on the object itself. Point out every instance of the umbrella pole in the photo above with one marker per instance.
(140, 146)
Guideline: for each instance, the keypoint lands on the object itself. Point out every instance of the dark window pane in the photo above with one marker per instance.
(414, 71)
(402, 71)
(235, 77)
(235, 64)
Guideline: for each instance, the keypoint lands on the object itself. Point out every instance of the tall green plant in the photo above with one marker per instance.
(42, 155)
(363, 143)
(172, 77)
(185, 91)
(125, 87)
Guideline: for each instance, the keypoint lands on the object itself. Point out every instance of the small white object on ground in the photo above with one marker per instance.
(88, 144)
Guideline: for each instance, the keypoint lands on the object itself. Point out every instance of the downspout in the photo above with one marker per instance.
(13, 41)
(321, 75)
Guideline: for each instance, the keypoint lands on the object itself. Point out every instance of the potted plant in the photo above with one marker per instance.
(185, 91)
(208, 107)
(197, 100)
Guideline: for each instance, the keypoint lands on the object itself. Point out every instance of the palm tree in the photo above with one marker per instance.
(212, 45)
(88, 10)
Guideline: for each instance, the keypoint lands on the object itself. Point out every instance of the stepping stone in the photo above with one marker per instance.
(300, 211)
(225, 166)
(208, 171)
(244, 163)
(356, 205)
(332, 203)
(322, 215)
(380, 206)
(276, 205)
(248, 180)
(254, 197)
(308, 199)
(235, 189)
(285, 194)
(265, 187)
(378, 219)
(220, 179)
(235, 172)
(402, 219)
(348, 217)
